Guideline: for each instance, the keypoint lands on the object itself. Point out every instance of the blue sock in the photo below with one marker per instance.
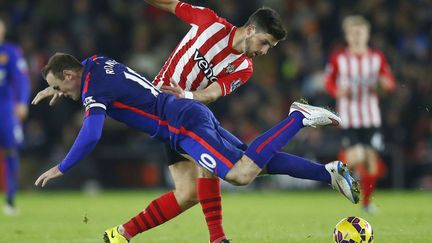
(288, 164)
(264, 147)
(11, 170)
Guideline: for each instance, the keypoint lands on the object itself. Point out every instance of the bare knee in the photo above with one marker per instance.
(243, 172)
(239, 179)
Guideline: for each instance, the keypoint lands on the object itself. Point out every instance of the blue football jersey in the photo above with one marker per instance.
(14, 81)
(14, 88)
(113, 88)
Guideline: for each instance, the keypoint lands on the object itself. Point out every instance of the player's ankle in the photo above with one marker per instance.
(219, 239)
(123, 232)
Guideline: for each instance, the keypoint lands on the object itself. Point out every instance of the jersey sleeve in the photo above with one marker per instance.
(85, 142)
(331, 73)
(195, 14)
(385, 72)
(96, 96)
(231, 82)
(19, 76)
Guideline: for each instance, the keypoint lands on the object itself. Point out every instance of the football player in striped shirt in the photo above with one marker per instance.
(107, 87)
(212, 60)
(14, 99)
(355, 77)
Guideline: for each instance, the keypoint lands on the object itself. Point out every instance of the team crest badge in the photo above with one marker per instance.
(3, 58)
(229, 68)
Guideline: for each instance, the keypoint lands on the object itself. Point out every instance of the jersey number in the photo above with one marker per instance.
(134, 76)
(207, 162)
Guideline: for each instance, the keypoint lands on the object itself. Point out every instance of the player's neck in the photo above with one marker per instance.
(358, 49)
(80, 73)
(238, 43)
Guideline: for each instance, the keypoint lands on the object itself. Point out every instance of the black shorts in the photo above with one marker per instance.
(173, 156)
(366, 136)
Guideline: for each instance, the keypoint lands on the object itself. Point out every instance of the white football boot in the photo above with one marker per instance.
(342, 180)
(315, 116)
(9, 210)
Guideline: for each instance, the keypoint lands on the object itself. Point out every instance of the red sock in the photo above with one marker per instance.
(209, 196)
(157, 212)
(367, 184)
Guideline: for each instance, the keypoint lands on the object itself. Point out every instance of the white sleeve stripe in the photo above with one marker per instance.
(100, 105)
(243, 65)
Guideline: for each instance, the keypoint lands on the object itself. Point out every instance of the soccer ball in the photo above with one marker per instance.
(353, 230)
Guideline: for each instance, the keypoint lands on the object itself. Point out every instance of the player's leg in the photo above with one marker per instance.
(169, 205)
(10, 137)
(334, 173)
(368, 179)
(263, 148)
(216, 151)
(263, 151)
(355, 155)
(12, 168)
(209, 195)
(287, 164)
(185, 174)
(363, 159)
(298, 167)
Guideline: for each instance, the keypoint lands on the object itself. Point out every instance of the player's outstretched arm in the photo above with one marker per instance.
(85, 142)
(166, 5)
(52, 173)
(207, 95)
(45, 94)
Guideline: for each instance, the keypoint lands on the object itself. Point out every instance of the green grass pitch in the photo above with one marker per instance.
(264, 217)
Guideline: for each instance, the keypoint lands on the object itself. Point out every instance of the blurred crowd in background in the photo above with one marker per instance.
(142, 37)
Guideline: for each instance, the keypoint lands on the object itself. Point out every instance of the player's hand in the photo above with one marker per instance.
(21, 111)
(52, 173)
(174, 89)
(46, 93)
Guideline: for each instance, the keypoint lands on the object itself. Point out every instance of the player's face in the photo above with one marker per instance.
(357, 35)
(70, 87)
(258, 44)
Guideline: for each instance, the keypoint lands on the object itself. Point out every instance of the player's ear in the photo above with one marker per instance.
(250, 30)
(67, 74)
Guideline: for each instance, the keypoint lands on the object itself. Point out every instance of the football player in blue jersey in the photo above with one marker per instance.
(107, 87)
(14, 97)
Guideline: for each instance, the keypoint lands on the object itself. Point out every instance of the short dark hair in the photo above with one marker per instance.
(269, 21)
(59, 62)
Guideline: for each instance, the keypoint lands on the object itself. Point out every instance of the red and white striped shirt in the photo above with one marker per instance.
(205, 55)
(360, 74)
